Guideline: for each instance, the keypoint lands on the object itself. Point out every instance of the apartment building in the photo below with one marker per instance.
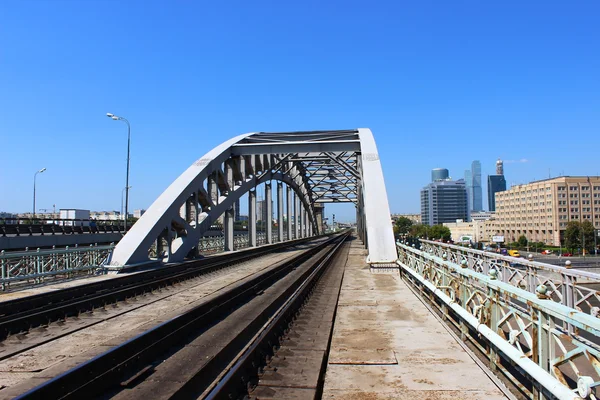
(541, 210)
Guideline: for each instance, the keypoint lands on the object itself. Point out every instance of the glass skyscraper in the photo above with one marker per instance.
(477, 204)
(496, 183)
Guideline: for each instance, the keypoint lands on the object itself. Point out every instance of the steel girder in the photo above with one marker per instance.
(319, 166)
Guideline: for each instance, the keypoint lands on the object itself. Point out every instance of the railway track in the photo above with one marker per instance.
(21, 315)
(214, 349)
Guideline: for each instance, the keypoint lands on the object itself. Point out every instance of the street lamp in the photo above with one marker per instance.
(117, 118)
(125, 216)
(34, 176)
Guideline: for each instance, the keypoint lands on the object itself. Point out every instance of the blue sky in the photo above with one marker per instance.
(439, 83)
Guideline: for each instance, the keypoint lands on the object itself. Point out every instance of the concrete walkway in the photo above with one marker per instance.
(386, 345)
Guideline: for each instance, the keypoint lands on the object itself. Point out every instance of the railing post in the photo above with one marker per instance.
(38, 266)
(4, 269)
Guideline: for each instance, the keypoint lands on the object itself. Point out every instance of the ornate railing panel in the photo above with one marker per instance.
(573, 288)
(546, 343)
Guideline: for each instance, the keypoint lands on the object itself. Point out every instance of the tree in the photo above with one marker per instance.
(587, 231)
(439, 232)
(419, 230)
(573, 236)
(522, 241)
(402, 226)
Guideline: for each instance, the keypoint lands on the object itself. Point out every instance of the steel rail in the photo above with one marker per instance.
(22, 314)
(232, 381)
(140, 353)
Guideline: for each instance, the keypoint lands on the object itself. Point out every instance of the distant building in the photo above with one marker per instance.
(469, 186)
(444, 201)
(473, 231)
(540, 210)
(106, 215)
(236, 210)
(482, 215)
(75, 214)
(261, 211)
(477, 204)
(439, 174)
(138, 213)
(11, 218)
(415, 218)
(496, 183)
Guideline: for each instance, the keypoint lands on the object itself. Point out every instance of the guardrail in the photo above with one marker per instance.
(30, 227)
(528, 322)
(36, 266)
(572, 288)
(39, 265)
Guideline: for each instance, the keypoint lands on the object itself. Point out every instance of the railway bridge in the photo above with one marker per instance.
(292, 312)
(315, 167)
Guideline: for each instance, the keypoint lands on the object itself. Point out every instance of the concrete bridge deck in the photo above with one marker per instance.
(387, 345)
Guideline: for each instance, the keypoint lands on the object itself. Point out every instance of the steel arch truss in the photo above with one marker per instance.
(317, 167)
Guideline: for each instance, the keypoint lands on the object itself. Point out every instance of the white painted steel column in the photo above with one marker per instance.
(288, 191)
(252, 218)
(302, 221)
(228, 229)
(305, 224)
(269, 208)
(280, 210)
(296, 217)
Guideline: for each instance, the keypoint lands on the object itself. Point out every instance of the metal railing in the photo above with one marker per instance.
(37, 226)
(536, 323)
(572, 288)
(37, 266)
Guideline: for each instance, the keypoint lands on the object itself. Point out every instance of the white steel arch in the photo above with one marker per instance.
(316, 167)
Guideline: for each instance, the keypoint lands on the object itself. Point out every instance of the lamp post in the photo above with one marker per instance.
(117, 118)
(34, 176)
(124, 215)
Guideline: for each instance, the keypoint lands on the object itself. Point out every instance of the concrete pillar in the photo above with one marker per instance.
(269, 207)
(288, 191)
(296, 217)
(252, 218)
(280, 210)
(228, 229)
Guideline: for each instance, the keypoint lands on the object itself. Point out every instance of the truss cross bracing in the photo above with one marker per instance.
(314, 167)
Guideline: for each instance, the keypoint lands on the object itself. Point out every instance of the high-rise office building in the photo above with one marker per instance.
(236, 210)
(477, 204)
(261, 211)
(469, 186)
(444, 201)
(496, 183)
(439, 174)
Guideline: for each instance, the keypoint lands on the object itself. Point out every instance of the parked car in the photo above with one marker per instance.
(567, 255)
